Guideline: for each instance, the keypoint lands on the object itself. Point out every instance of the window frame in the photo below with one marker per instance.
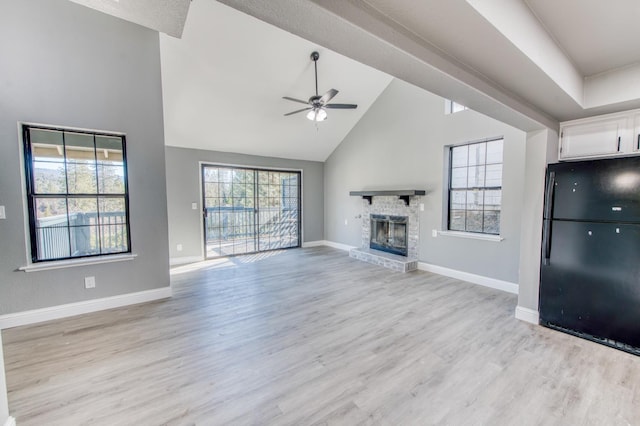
(30, 195)
(449, 178)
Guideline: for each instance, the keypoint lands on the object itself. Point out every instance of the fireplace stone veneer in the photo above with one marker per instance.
(390, 206)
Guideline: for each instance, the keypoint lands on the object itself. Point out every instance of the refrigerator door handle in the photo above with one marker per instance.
(546, 241)
(548, 211)
(548, 195)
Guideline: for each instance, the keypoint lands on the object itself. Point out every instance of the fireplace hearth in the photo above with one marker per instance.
(389, 233)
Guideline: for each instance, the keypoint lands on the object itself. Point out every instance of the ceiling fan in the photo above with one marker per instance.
(318, 104)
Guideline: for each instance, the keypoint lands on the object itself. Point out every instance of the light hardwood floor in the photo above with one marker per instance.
(310, 336)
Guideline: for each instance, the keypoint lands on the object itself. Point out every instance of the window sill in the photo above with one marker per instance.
(70, 263)
(471, 235)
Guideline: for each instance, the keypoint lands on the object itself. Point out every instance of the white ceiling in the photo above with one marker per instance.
(165, 16)
(529, 63)
(223, 84)
(597, 35)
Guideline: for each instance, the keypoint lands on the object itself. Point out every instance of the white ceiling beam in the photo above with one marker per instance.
(613, 87)
(517, 23)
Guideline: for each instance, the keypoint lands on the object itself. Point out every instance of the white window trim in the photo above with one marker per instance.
(472, 235)
(70, 263)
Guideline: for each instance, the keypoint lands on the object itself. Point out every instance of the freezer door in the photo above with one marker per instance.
(590, 282)
(602, 190)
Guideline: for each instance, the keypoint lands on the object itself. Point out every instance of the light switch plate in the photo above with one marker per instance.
(3, 215)
(194, 206)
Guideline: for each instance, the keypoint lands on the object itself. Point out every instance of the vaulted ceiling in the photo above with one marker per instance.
(529, 63)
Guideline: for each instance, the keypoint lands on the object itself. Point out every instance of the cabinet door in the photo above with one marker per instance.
(636, 133)
(592, 139)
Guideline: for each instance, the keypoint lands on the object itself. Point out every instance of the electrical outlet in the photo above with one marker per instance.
(179, 247)
(346, 222)
(3, 215)
(89, 282)
(434, 233)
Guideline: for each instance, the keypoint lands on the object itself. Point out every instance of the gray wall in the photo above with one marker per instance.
(183, 188)
(399, 144)
(67, 65)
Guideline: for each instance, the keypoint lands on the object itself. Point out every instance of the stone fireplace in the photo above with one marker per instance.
(390, 232)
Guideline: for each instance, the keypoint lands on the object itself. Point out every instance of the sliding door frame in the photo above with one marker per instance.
(203, 164)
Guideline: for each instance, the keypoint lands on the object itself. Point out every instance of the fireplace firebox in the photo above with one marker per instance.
(389, 233)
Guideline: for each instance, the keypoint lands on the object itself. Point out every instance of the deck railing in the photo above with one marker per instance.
(85, 234)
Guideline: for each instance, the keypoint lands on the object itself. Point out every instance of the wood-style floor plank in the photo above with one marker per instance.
(313, 337)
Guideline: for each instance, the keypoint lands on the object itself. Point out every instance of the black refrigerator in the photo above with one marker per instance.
(590, 272)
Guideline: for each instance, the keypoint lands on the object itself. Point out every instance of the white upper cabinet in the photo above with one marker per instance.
(604, 136)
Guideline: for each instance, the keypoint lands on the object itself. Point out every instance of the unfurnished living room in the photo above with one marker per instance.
(309, 212)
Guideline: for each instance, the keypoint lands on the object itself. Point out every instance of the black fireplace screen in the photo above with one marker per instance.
(389, 233)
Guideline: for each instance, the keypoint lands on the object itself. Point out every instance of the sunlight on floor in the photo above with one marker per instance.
(224, 262)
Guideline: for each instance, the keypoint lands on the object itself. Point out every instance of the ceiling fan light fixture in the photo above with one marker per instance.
(317, 114)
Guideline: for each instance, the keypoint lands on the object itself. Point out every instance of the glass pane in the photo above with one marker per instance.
(109, 150)
(458, 200)
(51, 212)
(456, 220)
(79, 148)
(52, 232)
(492, 200)
(475, 200)
(494, 175)
(474, 221)
(459, 155)
(494, 151)
(112, 210)
(459, 177)
(83, 211)
(211, 202)
(477, 153)
(84, 240)
(111, 179)
(492, 222)
(476, 177)
(210, 174)
(224, 175)
(49, 177)
(46, 145)
(52, 242)
(114, 239)
(81, 178)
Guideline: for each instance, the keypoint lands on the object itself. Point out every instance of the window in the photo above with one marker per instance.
(76, 193)
(475, 187)
(451, 107)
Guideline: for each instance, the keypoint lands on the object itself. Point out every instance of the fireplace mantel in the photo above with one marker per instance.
(403, 194)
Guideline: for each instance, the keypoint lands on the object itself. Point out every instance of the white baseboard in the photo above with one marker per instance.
(71, 309)
(527, 315)
(10, 422)
(175, 261)
(507, 286)
(338, 246)
(316, 243)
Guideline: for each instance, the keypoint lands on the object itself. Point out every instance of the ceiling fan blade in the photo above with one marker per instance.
(341, 106)
(295, 100)
(297, 111)
(328, 96)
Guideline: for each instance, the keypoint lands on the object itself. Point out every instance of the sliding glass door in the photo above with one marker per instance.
(249, 210)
